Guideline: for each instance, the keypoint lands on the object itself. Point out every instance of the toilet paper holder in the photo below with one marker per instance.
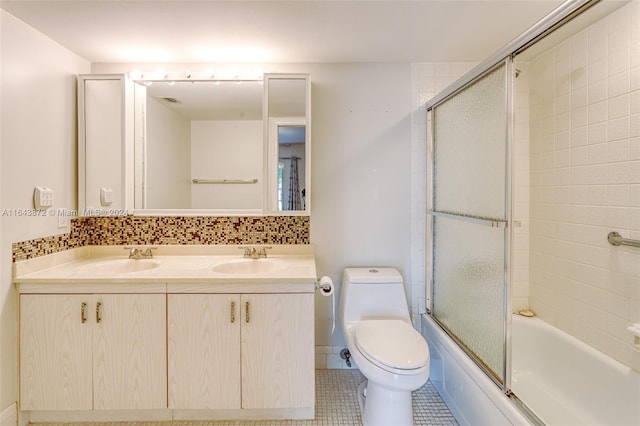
(324, 284)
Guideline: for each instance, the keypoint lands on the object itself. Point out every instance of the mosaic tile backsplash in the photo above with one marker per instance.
(165, 230)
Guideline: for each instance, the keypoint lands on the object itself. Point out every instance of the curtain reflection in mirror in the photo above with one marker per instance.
(291, 179)
(290, 194)
(294, 186)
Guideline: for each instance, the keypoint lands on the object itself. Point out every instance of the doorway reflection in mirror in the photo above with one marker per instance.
(291, 167)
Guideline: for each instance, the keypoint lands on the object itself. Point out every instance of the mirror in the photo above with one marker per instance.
(217, 147)
(194, 137)
(288, 136)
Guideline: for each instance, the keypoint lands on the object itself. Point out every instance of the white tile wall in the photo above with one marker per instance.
(521, 191)
(584, 100)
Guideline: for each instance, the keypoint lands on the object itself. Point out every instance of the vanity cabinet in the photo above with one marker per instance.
(92, 351)
(241, 351)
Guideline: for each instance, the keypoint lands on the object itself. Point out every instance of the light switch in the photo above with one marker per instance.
(63, 218)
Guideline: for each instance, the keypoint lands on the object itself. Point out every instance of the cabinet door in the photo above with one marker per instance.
(55, 353)
(278, 351)
(204, 351)
(130, 351)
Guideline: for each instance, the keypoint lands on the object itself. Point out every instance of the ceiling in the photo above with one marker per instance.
(317, 31)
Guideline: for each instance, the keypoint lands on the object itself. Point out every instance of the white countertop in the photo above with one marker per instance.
(173, 269)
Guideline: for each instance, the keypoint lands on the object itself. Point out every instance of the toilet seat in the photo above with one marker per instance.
(392, 345)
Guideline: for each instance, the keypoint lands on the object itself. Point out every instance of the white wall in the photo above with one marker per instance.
(361, 159)
(168, 157)
(38, 147)
(227, 150)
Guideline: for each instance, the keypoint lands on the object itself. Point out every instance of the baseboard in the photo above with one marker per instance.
(9, 416)
(167, 415)
(160, 415)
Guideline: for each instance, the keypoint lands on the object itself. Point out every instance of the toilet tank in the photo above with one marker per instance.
(372, 293)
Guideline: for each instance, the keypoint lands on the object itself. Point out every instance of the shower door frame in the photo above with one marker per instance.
(558, 17)
(505, 224)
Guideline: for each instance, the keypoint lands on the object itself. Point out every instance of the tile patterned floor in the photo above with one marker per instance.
(336, 405)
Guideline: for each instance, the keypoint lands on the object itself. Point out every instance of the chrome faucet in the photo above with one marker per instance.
(254, 252)
(138, 253)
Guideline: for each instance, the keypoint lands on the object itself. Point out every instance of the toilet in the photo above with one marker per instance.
(389, 352)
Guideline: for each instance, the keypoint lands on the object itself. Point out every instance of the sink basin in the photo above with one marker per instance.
(117, 266)
(249, 267)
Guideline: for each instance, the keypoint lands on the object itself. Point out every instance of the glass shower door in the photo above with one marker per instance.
(469, 215)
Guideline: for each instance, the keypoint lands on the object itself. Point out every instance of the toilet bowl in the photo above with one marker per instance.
(390, 353)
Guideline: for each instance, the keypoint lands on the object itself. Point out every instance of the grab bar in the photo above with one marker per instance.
(224, 181)
(615, 239)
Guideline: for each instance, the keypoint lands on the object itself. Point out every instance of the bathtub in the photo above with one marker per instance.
(470, 395)
(566, 382)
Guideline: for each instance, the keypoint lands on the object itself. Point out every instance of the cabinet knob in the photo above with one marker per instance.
(246, 311)
(98, 316)
(233, 312)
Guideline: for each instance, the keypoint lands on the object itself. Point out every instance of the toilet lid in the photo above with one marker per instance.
(392, 343)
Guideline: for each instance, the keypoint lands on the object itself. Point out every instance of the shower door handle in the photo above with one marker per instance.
(492, 222)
